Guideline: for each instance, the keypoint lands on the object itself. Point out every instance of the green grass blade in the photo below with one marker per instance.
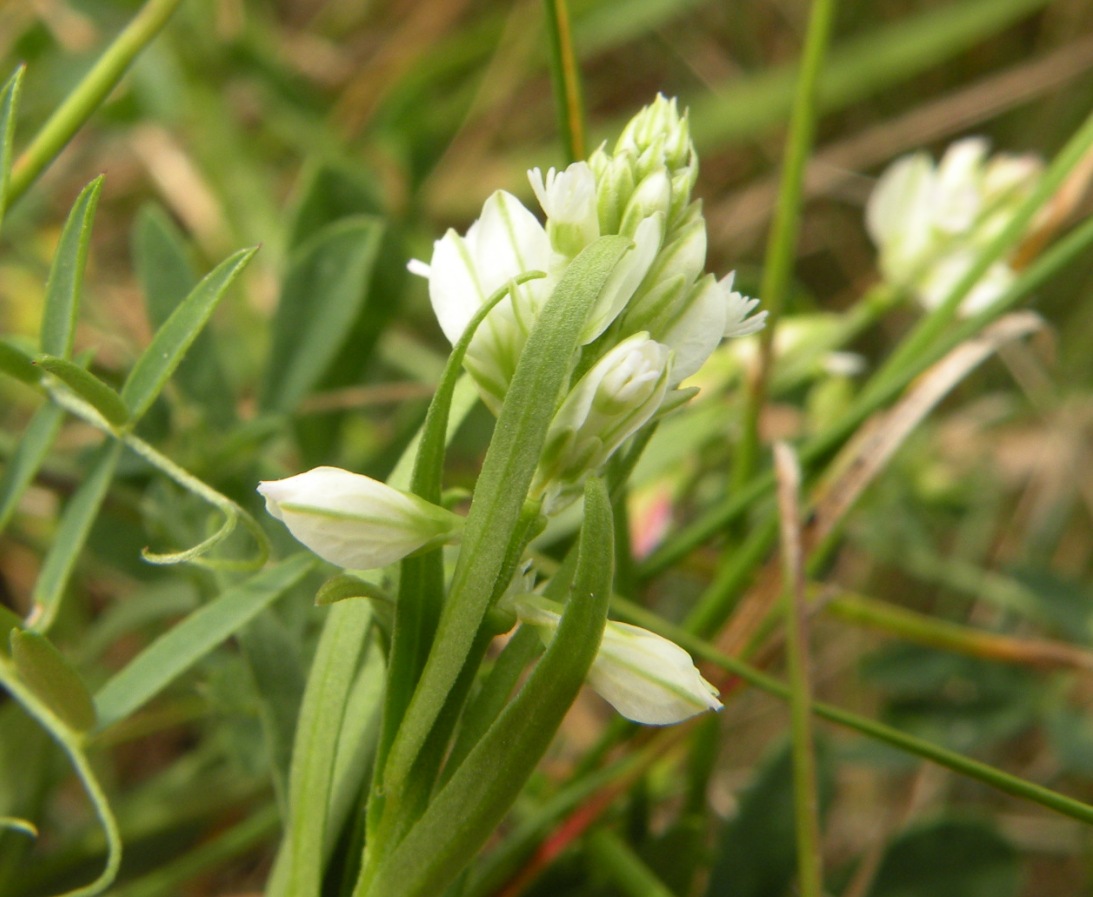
(17, 364)
(169, 345)
(325, 288)
(467, 810)
(337, 658)
(68, 542)
(173, 653)
(66, 276)
(9, 103)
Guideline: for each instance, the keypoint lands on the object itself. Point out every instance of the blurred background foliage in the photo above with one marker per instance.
(343, 137)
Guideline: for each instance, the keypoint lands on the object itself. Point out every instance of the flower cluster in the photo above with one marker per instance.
(654, 324)
(930, 222)
(657, 321)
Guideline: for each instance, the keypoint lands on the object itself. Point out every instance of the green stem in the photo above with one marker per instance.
(782, 246)
(806, 809)
(952, 760)
(89, 94)
(566, 76)
(72, 744)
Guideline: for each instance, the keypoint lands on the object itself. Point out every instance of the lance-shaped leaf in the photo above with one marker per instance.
(325, 287)
(467, 810)
(76, 521)
(169, 345)
(65, 282)
(176, 651)
(9, 102)
(502, 487)
(88, 387)
(46, 673)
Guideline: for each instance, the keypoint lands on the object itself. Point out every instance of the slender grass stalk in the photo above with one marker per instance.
(565, 74)
(957, 762)
(782, 245)
(814, 450)
(89, 95)
(806, 813)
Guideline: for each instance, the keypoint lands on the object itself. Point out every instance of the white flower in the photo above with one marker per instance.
(620, 393)
(930, 222)
(646, 678)
(506, 241)
(739, 320)
(354, 521)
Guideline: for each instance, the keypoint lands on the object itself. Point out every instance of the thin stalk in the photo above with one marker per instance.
(565, 74)
(806, 812)
(89, 94)
(876, 396)
(958, 763)
(782, 246)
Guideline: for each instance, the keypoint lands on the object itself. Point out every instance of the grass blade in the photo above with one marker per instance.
(9, 103)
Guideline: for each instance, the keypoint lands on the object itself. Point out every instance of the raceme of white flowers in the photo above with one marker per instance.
(656, 322)
(931, 221)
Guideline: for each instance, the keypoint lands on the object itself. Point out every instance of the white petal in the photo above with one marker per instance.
(649, 679)
(354, 521)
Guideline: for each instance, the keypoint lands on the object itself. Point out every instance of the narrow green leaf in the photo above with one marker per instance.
(169, 345)
(167, 277)
(421, 579)
(65, 282)
(16, 363)
(88, 387)
(325, 287)
(467, 810)
(307, 841)
(46, 673)
(79, 514)
(12, 823)
(9, 621)
(29, 454)
(273, 655)
(9, 103)
(173, 653)
(502, 487)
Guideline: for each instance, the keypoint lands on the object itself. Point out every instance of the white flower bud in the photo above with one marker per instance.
(646, 678)
(609, 403)
(569, 200)
(659, 126)
(653, 196)
(354, 521)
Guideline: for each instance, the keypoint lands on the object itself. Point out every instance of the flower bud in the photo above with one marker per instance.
(653, 196)
(568, 199)
(354, 521)
(609, 403)
(659, 126)
(646, 678)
